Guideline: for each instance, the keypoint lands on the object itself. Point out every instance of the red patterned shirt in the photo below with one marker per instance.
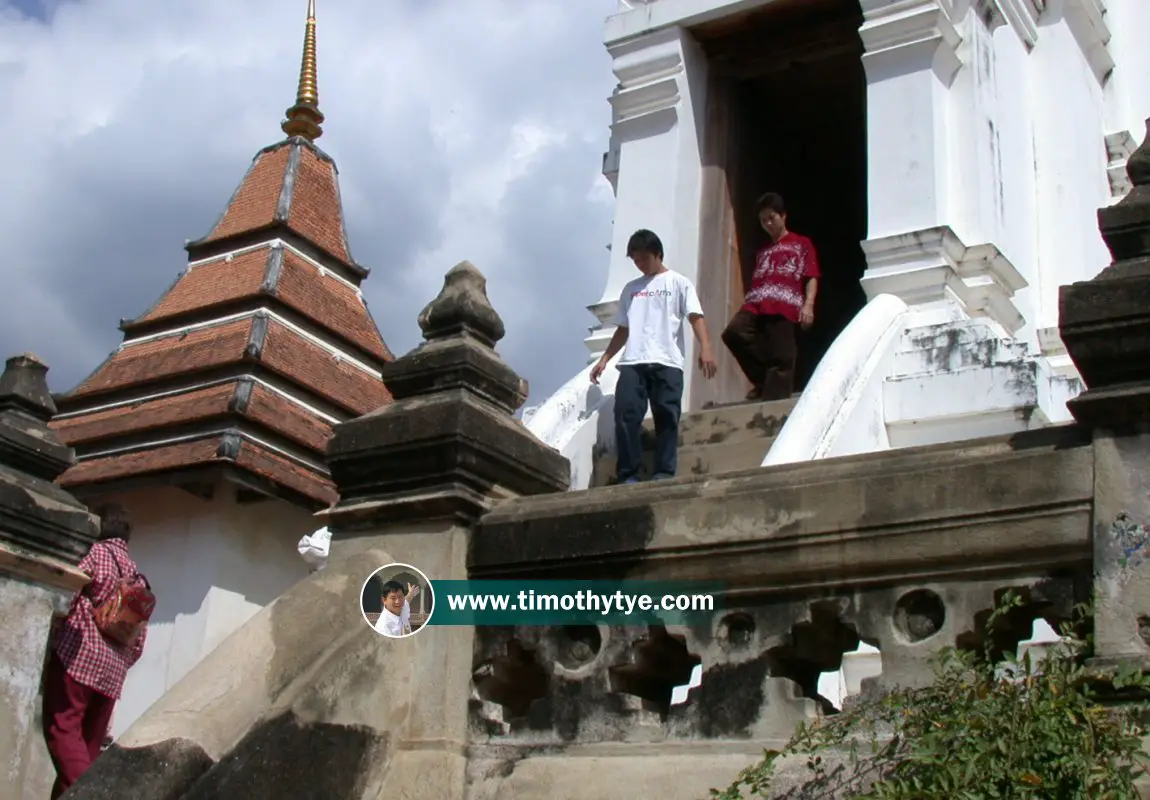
(781, 272)
(88, 657)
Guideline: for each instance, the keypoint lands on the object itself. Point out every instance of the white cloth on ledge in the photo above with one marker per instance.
(315, 548)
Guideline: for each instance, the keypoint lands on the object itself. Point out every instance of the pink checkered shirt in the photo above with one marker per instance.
(88, 657)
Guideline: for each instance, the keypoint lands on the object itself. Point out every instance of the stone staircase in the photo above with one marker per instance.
(719, 439)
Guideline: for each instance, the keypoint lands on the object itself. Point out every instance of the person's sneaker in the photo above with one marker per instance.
(755, 394)
(662, 476)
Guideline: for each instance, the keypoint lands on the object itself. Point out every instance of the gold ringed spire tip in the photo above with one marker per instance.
(304, 118)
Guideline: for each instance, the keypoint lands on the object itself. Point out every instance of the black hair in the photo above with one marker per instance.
(773, 201)
(393, 586)
(644, 241)
(114, 522)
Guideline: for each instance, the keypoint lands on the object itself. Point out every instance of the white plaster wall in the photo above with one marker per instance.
(1068, 126)
(1055, 389)
(993, 176)
(1129, 87)
(1010, 153)
(212, 564)
(909, 151)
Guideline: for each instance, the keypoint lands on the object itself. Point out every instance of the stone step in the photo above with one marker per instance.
(733, 422)
(736, 422)
(712, 459)
(718, 439)
(696, 460)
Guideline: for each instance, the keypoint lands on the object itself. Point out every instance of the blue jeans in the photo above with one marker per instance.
(638, 385)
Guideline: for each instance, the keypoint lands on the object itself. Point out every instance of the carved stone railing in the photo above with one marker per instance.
(908, 551)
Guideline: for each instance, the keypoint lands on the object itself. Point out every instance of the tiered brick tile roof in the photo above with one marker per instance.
(245, 363)
(261, 345)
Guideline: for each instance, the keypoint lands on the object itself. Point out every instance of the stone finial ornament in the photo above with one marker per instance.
(460, 329)
(36, 515)
(24, 385)
(1105, 322)
(26, 406)
(462, 306)
(448, 445)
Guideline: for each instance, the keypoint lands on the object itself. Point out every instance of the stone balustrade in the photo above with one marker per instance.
(907, 551)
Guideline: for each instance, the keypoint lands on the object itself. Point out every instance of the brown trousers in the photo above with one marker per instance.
(765, 347)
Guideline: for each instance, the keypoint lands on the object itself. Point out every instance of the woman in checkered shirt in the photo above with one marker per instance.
(85, 672)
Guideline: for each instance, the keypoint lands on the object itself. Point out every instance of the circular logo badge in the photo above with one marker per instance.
(397, 600)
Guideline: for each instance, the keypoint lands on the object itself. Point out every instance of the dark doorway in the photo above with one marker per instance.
(786, 112)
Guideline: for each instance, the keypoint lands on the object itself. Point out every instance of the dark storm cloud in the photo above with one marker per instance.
(36, 9)
(473, 130)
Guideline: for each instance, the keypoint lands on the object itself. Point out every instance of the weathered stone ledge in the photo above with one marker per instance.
(41, 570)
(973, 508)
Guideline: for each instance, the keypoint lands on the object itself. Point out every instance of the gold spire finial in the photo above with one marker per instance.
(304, 118)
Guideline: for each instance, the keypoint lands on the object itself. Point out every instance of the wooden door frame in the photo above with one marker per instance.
(720, 265)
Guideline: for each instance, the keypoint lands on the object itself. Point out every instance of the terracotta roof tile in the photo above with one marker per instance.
(289, 354)
(284, 351)
(264, 406)
(289, 419)
(213, 283)
(331, 302)
(202, 404)
(314, 209)
(316, 212)
(128, 465)
(255, 202)
(287, 473)
(168, 356)
(201, 452)
(324, 299)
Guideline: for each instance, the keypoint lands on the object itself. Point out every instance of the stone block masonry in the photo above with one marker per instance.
(44, 532)
(1106, 326)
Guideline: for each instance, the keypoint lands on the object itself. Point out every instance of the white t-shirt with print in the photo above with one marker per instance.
(653, 309)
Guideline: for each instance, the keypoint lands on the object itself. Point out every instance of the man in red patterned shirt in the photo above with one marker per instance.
(85, 672)
(761, 336)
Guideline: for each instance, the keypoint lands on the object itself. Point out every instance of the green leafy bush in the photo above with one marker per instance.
(986, 728)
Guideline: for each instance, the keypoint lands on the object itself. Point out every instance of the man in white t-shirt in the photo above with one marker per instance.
(395, 619)
(649, 322)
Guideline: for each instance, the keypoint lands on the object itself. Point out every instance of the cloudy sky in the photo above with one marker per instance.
(463, 129)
